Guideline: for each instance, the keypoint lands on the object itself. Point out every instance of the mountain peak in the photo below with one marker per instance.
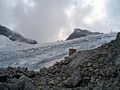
(77, 30)
(14, 36)
(78, 33)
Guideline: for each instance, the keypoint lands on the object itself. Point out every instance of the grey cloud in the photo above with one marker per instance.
(5, 12)
(44, 21)
(114, 13)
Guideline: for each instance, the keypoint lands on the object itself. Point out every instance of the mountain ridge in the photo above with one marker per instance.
(14, 36)
(78, 33)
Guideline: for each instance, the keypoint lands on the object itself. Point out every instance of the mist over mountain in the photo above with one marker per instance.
(14, 36)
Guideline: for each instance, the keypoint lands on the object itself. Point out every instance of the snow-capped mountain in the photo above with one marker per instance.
(78, 33)
(14, 36)
(44, 55)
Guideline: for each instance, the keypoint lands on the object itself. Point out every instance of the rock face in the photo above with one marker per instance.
(14, 36)
(81, 33)
(17, 79)
(97, 69)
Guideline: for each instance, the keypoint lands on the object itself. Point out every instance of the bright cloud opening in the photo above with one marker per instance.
(88, 20)
(99, 9)
(61, 35)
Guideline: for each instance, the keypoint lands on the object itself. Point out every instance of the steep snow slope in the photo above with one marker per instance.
(44, 55)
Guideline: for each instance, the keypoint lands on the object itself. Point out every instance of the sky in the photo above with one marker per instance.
(52, 20)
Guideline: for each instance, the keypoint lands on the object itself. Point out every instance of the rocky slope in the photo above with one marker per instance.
(97, 69)
(14, 36)
(81, 33)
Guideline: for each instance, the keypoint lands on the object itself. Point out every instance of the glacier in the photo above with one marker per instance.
(34, 57)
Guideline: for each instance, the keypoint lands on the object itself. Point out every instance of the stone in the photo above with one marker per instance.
(3, 77)
(72, 51)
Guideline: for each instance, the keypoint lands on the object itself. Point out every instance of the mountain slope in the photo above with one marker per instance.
(38, 56)
(78, 33)
(14, 36)
(96, 69)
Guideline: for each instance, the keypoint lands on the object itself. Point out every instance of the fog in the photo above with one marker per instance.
(52, 20)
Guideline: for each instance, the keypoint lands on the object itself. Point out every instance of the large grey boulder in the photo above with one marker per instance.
(17, 79)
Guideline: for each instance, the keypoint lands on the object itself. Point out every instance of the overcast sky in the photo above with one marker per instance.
(52, 20)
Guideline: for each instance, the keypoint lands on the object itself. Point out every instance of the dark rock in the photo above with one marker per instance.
(78, 33)
(17, 76)
(25, 84)
(3, 78)
(73, 80)
(118, 37)
(72, 51)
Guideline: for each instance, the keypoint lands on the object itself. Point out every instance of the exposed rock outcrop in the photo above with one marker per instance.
(81, 33)
(14, 36)
(17, 79)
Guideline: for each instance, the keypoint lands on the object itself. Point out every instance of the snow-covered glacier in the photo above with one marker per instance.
(44, 55)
